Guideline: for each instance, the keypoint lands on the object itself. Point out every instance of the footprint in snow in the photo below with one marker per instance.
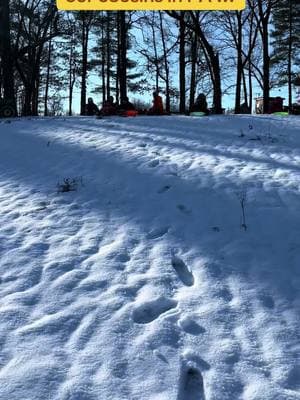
(123, 257)
(158, 232)
(157, 153)
(153, 163)
(142, 145)
(184, 274)
(119, 370)
(183, 209)
(267, 301)
(89, 285)
(188, 325)
(38, 248)
(293, 378)
(191, 384)
(164, 189)
(225, 294)
(151, 310)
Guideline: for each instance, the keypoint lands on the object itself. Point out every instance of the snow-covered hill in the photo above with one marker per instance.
(146, 282)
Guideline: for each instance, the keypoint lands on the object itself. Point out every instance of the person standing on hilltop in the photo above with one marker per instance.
(157, 108)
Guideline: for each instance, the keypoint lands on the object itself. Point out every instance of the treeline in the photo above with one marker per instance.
(46, 54)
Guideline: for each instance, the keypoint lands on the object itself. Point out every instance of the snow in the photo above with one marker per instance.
(144, 281)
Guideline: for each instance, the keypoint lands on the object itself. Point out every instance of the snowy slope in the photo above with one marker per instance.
(143, 283)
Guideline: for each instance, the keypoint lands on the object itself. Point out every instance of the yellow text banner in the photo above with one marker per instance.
(150, 4)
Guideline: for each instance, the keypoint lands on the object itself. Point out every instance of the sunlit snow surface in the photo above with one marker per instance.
(143, 284)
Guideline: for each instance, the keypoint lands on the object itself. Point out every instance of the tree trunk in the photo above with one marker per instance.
(84, 45)
(250, 101)
(217, 85)
(182, 63)
(118, 58)
(71, 76)
(103, 61)
(245, 87)
(35, 97)
(48, 76)
(290, 50)
(70, 98)
(193, 70)
(213, 58)
(156, 63)
(108, 44)
(250, 88)
(264, 16)
(6, 53)
(166, 64)
(266, 68)
(123, 55)
(27, 106)
(239, 63)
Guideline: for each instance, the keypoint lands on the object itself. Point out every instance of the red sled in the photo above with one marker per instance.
(130, 113)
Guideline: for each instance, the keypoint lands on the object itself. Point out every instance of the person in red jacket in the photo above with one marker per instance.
(157, 108)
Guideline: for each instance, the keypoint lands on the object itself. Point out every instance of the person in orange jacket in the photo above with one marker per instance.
(157, 108)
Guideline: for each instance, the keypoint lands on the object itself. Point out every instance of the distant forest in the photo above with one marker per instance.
(46, 55)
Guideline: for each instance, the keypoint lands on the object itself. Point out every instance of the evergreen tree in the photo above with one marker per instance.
(286, 42)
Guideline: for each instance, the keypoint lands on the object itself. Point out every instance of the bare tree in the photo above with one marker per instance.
(85, 21)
